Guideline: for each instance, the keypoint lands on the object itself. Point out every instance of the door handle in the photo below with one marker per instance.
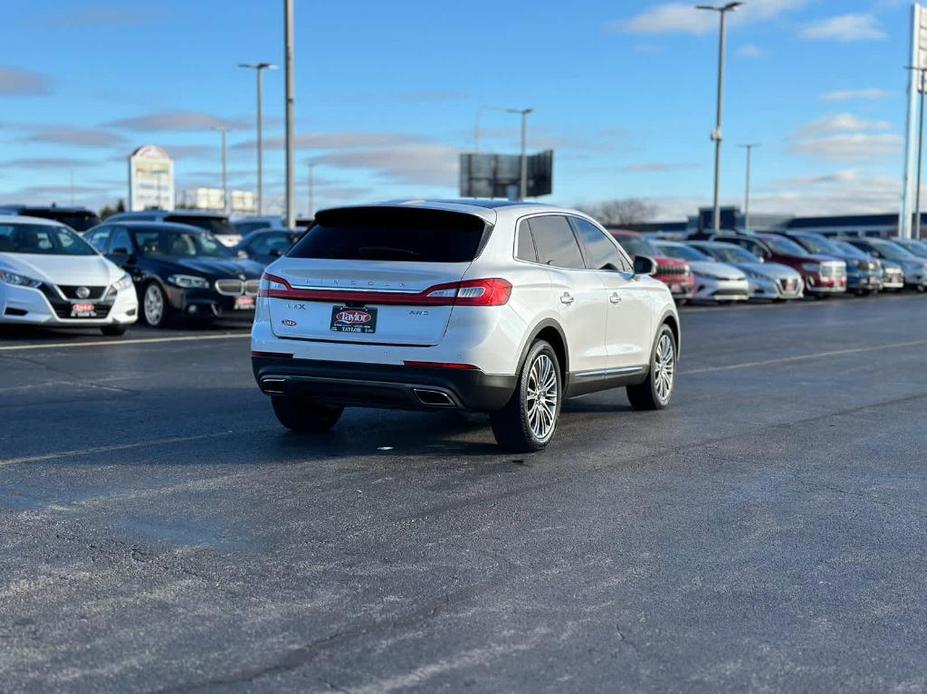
(566, 298)
(615, 298)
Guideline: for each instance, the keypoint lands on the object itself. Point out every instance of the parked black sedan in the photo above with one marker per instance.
(180, 271)
(266, 245)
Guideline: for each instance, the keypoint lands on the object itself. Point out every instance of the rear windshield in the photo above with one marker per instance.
(393, 234)
(42, 240)
(214, 225)
(79, 221)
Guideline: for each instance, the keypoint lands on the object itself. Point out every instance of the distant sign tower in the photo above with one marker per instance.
(151, 179)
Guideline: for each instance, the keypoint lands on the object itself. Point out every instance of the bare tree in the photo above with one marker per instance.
(621, 212)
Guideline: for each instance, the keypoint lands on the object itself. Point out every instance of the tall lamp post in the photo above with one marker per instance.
(717, 135)
(259, 69)
(226, 203)
(288, 31)
(524, 113)
(749, 147)
(311, 166)
(921, 71)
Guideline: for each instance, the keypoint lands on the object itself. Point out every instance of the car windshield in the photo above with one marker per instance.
(392, 234)
(916, 247)
(41, 239)
(850, 250)
(635, 246)
(682, 252)
(180, 244)
(819, 245)
(76, 219)
(893, 251)
(727, 253)
(214, 225)
(785, 247)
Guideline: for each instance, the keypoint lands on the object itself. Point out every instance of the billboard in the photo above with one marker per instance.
(499, 175)
(243, 201)
(151, 179)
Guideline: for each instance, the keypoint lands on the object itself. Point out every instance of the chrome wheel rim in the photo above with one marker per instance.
(664, 370)
(542, 396)
(154, 305)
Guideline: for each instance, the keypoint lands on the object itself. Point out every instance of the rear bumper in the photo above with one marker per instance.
(382, 385)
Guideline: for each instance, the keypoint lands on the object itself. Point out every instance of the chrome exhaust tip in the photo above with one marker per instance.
(433, 398)
(274, 386)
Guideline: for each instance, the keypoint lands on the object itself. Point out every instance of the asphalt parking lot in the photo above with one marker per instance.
(160, 531)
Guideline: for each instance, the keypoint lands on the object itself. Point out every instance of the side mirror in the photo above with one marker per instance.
(121, 252)
(275, 253)
(644, 265)
(242, 255)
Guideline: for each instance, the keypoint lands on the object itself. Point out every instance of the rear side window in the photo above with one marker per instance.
(555, 242)
(393, 234)
(525, 250)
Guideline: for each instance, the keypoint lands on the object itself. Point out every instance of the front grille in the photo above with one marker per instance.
(252, 287)
(71, 292)
(788, 284)
(672, 271)
(64, 311)
(230, 287)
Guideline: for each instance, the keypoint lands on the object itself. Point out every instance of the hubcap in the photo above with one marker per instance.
(665, 368)
(154, 305)
(542, 397)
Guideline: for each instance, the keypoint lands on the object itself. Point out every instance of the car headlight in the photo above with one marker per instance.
(188, 281)
(757, 276)
(18, 280)
(811, 267)
(123, 283)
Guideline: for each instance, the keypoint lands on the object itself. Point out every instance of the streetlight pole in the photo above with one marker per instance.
(288, 26)
(523, 185)
(717, 135)
(311, 165)
(259, 69)
(749, 148)
(922, 72)
(226, 203)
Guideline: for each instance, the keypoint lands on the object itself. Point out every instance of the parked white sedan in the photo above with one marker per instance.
(714, 281)
(50, 276)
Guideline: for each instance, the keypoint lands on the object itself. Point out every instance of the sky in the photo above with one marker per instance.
(388, 96)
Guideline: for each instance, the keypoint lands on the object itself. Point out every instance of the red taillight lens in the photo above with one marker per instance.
(488, 292)
(271, 285)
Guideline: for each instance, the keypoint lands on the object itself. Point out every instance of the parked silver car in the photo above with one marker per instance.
(714, 281)
(770, 281)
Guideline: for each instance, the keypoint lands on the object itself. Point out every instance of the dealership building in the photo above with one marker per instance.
(733, 218)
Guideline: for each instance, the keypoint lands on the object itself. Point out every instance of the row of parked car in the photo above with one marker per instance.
(732, 267)
(161, 266)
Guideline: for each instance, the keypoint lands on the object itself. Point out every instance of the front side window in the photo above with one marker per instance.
(121, 243)
(42, 240)
(180, 244)
(601, 253)
(555, 242)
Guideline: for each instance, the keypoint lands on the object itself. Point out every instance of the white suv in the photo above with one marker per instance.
(487, 306)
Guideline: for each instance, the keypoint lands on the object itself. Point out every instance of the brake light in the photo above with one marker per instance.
(488, 292)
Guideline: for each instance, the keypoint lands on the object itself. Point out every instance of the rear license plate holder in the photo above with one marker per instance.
(359, 321)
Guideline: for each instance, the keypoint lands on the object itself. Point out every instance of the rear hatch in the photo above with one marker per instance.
(369, 275)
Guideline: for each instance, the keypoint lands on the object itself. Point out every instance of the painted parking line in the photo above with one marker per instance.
(108, 449)
(804, 357)
(119, 343)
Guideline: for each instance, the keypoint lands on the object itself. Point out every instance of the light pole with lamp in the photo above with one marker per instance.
(259, 69)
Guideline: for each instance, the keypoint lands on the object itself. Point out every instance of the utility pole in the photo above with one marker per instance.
(717, 135)
(749, 147)
(311, 166)
(226, 202)
(523, 185)
(920, 75)
(259, 69)
(290, 119)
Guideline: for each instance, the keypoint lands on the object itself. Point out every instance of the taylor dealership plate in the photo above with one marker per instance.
(361, 321)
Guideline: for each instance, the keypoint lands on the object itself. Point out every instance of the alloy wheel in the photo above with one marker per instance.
(665, 368)
(154, 305)
(542, 397)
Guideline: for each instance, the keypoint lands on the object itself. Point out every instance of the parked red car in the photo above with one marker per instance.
(674, 273)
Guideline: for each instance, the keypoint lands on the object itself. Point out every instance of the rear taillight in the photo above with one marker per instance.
(488, 292)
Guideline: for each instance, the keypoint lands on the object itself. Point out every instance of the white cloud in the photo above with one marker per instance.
(843, 123)
(871, 94)
(847, 27)
(421, 164)
(683, 18)
(178, 121)
(17, 81)
(750, 51)
(852, 147)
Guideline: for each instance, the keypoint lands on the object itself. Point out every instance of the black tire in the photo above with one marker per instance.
(155, 318)
(304, 415)
(524, 428)
(116, 330)
(649, 395)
